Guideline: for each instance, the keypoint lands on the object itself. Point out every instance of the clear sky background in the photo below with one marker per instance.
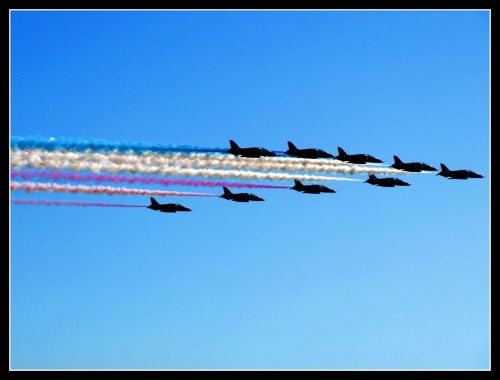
(367, 278)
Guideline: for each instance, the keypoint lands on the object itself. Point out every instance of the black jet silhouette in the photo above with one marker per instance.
(311, 189)
(356, 158)
(239, 197)
(414, 167)
(249, 152)
(385, 182)
(167, 207)
(307, 153)
(457, 174)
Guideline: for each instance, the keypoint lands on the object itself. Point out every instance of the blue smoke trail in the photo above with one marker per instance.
(93, 145)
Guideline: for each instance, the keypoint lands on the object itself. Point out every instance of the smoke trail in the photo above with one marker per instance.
(64, 176)
(31, 187)
(45, 202)
(98, 162)
(261, 164)
(94, 145)
(274, 160)
(204, 161)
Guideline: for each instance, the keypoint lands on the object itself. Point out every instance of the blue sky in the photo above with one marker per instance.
(367, 278)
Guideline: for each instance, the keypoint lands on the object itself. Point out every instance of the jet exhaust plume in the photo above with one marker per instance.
(217, 153)
(145, 164)
(57, 176)
(213, 161)
(36, 186)
(95, 145)
(45, 202)
(218, 161)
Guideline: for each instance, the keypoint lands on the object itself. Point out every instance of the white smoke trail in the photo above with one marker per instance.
(147, 164)
(277, 160)
(36, 186)
(51, 202)
(275, 164)
(204, 161)
(208, 161)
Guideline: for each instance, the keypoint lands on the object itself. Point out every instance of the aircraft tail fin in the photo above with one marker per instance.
(153, 202)
(371, 179)
(397, 160)
(291, 146)
(444, 168)
(298, 183)
(233, 145)
(341, 151)
(226, 190)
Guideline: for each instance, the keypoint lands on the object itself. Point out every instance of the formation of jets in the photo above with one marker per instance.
(312, 153)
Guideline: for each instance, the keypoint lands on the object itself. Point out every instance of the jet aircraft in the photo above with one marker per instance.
(311, 189)
(414, 167)
(239, 197)
(167, 207)
(356, 158)
(457, 174)
(249, 152)
(307, 153)
(385, 182)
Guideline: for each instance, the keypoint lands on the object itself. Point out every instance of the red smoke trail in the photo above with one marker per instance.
(45, 202)
(63, 176)
(30, 187)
